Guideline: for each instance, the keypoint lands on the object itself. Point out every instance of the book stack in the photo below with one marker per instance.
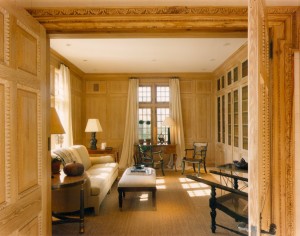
(138, 169)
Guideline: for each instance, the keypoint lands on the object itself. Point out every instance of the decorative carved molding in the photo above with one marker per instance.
(288, 152)
(176, 10)
(281, 10)
(146, 18)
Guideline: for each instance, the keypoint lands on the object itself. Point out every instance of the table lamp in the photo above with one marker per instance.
(93, 126)
(168, 122)
(55, 125)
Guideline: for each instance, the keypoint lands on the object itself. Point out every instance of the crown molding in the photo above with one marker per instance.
(142, 19)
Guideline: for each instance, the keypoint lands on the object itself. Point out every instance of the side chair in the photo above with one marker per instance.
(147, 156)
(198, 156)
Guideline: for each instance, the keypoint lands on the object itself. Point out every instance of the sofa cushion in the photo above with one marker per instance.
(102, 159)
(84, 155)
(98, 175)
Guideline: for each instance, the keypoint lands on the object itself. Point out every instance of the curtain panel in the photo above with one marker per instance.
(63, 104)
(131, 125)
(176, 113)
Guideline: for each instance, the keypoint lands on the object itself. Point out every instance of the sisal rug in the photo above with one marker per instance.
(181, 209)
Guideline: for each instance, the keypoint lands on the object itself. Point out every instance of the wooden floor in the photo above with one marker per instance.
(181, 209)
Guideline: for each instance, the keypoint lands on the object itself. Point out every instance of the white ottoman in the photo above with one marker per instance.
(137, 182)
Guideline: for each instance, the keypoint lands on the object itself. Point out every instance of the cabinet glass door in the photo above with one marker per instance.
(229, 118)
(245, 116)
(236, 118)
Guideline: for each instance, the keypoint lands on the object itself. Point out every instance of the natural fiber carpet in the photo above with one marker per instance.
(181, 209)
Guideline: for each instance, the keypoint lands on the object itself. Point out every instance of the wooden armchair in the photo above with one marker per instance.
(233, 202)
(198, 156)
(146, 156)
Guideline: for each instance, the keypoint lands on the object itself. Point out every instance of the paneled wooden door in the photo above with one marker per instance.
(24, 161)
(259, 118)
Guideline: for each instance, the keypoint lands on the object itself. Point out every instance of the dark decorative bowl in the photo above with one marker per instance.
(242, 164)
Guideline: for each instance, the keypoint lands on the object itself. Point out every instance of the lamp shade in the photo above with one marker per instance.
(93, 125)
(55, 124)
(168, 122)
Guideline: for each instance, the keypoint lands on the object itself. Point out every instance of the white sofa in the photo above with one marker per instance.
(102, 171)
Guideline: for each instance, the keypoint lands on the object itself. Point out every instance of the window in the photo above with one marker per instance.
(218, 85)
(153, 109)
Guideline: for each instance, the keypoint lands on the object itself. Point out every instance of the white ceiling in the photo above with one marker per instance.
(144, 55)
(147, 55)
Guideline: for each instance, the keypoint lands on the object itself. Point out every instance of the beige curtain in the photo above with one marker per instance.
(131, 125)
(63, 104)
(176, 114)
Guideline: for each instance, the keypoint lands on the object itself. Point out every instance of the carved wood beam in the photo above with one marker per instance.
(142, 19)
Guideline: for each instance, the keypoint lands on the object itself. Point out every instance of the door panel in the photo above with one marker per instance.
(259, 119)
(25, 205)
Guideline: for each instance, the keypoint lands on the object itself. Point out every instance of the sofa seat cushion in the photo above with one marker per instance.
(99, 175)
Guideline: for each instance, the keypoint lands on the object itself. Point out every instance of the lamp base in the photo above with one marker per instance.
(93, 141)
(169, 136)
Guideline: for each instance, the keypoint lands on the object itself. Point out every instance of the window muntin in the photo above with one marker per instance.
(144, 94)
(154, 108)
(161, 114)
(144, 123)
(162, 94)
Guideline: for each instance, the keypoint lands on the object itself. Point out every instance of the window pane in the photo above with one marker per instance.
(161, 114)
(144, 94)
(162, 94)
(145, 123)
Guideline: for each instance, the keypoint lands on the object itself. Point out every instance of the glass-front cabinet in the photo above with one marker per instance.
(232, 113)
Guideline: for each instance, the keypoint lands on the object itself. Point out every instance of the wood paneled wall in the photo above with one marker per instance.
(197, 111)
(106, 99)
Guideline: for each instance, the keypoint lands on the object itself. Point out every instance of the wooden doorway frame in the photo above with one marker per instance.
(278, 163)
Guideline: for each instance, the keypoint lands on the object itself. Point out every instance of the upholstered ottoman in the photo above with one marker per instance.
(137, 182)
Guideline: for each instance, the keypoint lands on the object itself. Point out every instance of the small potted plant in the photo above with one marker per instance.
(55, 164)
